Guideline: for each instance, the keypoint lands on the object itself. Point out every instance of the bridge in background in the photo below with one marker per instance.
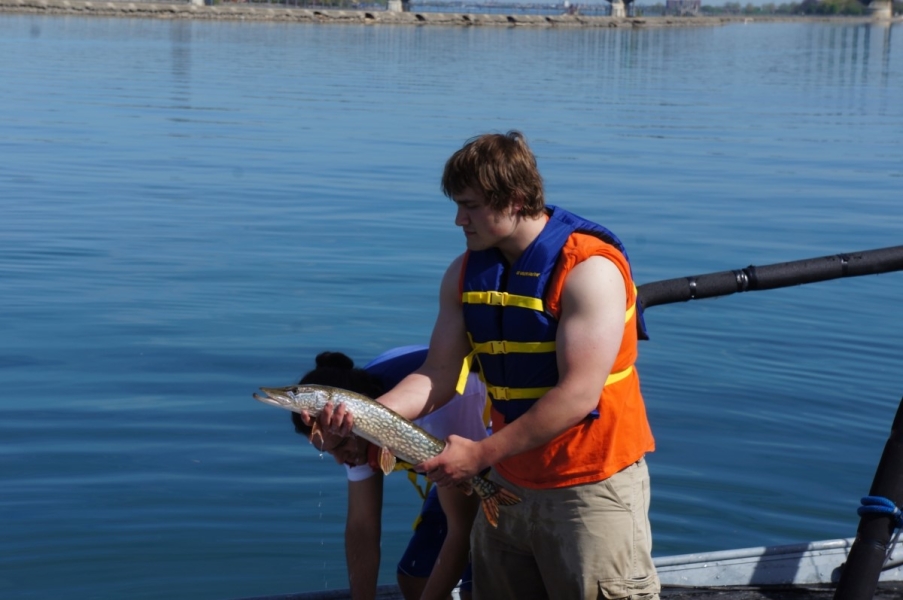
(879, 9)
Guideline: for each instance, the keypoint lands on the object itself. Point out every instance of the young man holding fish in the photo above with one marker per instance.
(545, 302)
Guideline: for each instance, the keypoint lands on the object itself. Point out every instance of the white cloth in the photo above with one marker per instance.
(463, 416)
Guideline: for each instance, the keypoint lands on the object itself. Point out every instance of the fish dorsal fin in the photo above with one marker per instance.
(386, 460)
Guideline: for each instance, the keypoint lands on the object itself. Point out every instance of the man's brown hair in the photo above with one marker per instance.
(500, 166)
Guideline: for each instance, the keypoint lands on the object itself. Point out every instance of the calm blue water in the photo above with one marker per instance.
(191, 210)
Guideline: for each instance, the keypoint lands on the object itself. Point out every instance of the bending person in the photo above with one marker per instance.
(436, 557)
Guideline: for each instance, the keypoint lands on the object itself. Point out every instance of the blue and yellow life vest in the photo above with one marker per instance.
(511, 333)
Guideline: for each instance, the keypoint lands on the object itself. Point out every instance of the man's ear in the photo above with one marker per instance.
(516, 205)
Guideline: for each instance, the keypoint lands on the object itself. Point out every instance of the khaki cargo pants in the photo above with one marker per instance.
(588, 541)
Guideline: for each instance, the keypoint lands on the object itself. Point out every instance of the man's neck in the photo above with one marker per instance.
(527, 230)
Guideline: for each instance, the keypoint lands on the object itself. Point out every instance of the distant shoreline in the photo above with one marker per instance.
(245, 12)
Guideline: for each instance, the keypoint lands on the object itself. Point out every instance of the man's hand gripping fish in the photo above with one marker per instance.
(395, 435)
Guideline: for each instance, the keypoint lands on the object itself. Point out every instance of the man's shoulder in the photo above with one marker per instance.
(579, 248)
(587, 243)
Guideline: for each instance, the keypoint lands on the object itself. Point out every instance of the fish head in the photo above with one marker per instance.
(297, 398)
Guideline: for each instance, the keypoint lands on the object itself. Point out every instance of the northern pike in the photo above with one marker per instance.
(395, 435)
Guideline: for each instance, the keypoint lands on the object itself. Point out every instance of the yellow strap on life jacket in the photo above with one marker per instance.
(497, 347)
(504, 347)
(494, 298)
(465, 371)
(505, 393)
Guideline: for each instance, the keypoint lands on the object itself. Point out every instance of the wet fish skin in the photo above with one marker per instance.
(380, 425)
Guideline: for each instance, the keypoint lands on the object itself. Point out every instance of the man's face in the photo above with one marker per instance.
(483, 227)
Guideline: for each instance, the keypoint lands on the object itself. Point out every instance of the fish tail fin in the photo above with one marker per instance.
(490, 504)
(491, 510)
(506, 497)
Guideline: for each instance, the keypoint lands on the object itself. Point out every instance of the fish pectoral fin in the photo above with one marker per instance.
(316, 436)
(386, 460)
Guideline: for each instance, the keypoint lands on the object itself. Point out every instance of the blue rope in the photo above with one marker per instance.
(882, 506)
(879, 505)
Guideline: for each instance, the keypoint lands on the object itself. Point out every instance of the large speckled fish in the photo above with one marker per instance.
(395, 435)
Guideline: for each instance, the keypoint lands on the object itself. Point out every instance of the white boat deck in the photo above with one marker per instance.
(792, 572)
(799, 564)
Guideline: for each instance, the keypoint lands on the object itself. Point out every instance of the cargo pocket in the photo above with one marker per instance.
(646, 588)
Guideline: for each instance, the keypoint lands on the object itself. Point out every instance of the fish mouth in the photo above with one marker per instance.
(276, 396)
